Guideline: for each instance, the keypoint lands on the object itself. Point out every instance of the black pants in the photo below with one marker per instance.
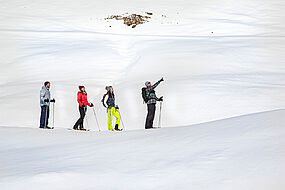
(150, 116)
(44, 116)
(79, 122)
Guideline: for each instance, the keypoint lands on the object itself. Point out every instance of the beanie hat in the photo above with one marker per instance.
(47, 82)
(147, 82)
(108, 88)
(81, 87)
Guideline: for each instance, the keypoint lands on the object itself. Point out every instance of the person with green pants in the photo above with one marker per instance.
(112, 109)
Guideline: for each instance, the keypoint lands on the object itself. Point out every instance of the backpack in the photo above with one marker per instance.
(145, 96)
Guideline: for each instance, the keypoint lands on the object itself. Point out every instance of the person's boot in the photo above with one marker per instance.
(117, 127)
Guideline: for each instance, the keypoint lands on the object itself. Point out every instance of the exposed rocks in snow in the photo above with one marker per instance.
(131, 20)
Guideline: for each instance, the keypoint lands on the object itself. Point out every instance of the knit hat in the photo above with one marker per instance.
(80, 87)
(46, 83)
(108, 88)
(147, 82)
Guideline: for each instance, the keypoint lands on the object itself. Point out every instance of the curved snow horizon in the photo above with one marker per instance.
(227, 154)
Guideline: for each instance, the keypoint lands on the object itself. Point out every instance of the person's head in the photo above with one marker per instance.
(109, 89)
(148, 84)
(47, 84)
(82, 88)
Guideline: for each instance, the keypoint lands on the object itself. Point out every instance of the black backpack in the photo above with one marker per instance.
(145, 96)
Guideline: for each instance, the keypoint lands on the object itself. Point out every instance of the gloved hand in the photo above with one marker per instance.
(91, 105)
(161, 79)
(117, 107)
(46, 100)
(160, 99)
(53, 100)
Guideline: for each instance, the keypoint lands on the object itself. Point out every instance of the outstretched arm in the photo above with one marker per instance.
(88, 103)
(155, 85)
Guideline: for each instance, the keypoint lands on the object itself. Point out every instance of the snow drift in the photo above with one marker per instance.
(220, 58)
(244, 152)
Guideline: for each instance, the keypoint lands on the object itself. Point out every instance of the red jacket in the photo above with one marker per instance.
(82, 99)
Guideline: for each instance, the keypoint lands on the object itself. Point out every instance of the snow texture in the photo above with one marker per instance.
(220, 58)
(245, 152)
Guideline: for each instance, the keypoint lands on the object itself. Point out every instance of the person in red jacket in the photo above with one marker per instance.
(83, 103)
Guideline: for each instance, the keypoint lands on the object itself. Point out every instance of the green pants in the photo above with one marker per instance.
(113, 112)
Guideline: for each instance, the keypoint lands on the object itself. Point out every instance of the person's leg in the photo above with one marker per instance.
(42, 118)
(47, 110)
(79, 121)
(45, 120)
(152, 115)
(118, 118)
(82, 115)
(147, 122)
(110, 117)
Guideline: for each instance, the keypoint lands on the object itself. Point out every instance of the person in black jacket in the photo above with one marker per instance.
(112, 109)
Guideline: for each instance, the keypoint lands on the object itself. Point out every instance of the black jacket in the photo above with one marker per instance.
(110, 101)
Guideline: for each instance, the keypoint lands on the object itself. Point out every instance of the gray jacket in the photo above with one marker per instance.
(44, 94)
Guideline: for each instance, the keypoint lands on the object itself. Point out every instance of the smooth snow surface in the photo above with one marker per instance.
(244, 152)
(220, 58)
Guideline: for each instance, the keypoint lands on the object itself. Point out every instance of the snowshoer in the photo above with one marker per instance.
(150, 99)
(83, 103)
(112, 108)
(45, 103)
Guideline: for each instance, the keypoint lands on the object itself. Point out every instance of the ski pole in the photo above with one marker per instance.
(96, 119)
(159, 121)
(121, 119)
(46, 117)
(53, 114)
(86, 119)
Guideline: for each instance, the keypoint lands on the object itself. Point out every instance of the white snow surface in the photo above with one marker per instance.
(220, 58)
(245, 152)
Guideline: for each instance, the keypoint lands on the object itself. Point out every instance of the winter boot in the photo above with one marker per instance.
(117, 127)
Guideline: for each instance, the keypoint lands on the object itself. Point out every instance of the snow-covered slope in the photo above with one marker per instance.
(220, 58)
(245, 152)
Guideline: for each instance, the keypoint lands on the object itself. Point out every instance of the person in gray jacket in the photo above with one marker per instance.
(45, 103)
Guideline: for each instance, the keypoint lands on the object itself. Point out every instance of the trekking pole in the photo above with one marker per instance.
(96, 119)
(46, 117)
(86, 119)
(53, 114)
(159, 121)
(121, 119)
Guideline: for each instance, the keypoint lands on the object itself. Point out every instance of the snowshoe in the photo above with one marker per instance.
(47, 127)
